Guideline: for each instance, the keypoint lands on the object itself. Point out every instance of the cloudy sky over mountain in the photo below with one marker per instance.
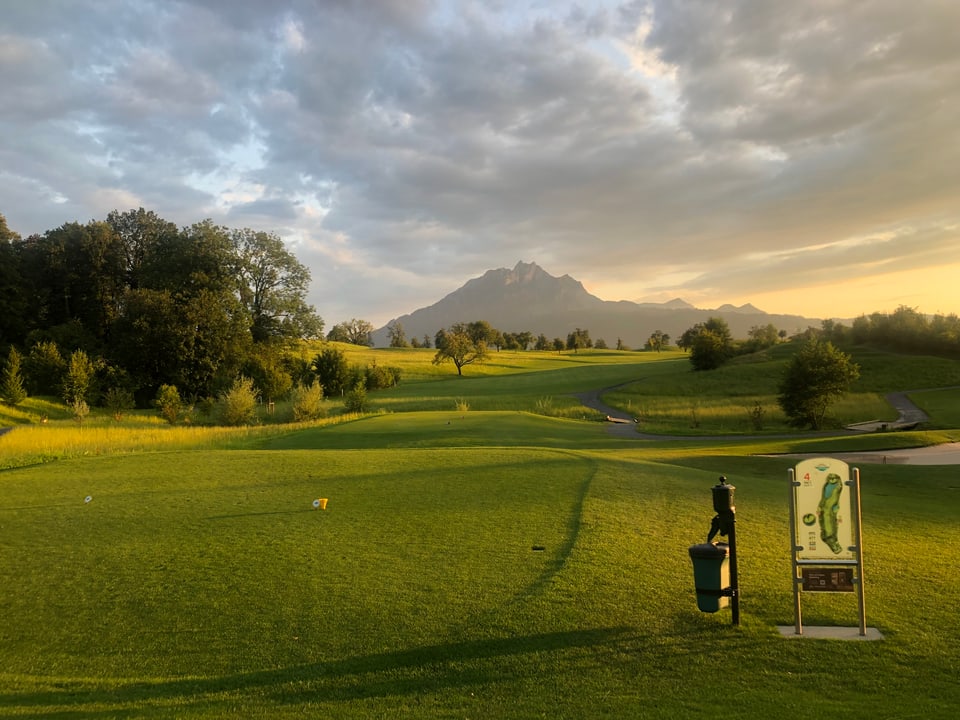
(803, 156)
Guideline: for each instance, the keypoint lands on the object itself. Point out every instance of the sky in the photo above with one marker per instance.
(800, 156)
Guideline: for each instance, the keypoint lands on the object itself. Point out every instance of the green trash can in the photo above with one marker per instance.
(711, 575)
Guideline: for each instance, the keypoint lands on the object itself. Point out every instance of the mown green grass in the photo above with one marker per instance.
(941, 405)
(520, 381)
(204, 584)
(670, 398)
(488, 562)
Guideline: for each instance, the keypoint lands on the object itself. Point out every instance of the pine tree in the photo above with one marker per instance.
(12, 391)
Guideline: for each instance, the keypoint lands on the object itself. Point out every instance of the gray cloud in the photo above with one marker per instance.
(403, 147)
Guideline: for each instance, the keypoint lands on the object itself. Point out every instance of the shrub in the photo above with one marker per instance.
(169, 404)
(544, 406)
(238, 405)
(45, 367)
(757, 415)
(378, 377)
(80, 409)
(118, 400)
(356, 400)
(332, 370)
(206, 406)
(308, 401)
(79, 377)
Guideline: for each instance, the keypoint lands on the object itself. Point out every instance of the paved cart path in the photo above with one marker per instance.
(909, 415)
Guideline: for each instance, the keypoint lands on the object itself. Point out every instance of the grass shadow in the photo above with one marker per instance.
(560, 557)
(411, 671)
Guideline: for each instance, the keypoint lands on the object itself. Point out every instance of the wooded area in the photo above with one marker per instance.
(150, 303)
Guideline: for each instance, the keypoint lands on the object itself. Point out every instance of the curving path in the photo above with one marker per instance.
(909, 415)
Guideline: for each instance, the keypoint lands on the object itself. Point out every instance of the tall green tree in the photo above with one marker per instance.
(148, 338)
(273, 287)
(817, 375)
(142, 235)
(200, 257)
(75, 275)
(215, 340)
(480, 331)
(13, 293)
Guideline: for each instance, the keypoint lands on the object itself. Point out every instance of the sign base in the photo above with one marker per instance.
(829, 632)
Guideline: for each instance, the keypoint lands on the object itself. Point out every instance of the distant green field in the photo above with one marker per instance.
(483, 562)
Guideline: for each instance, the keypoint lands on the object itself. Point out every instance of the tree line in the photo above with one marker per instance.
(149, 304)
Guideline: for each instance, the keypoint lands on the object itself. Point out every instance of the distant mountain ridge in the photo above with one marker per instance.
(527, 298)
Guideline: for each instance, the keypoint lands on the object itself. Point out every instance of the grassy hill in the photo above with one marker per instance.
(481, 562)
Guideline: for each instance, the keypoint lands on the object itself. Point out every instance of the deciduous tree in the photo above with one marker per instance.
(398, 338)
(817, 375)
(658, 340)
(358, 332)
(332, 370)
(579, 338)
(711, 345)
(273, 287)
(459, 347)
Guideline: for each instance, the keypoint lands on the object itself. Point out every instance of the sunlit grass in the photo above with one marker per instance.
(447, 580)
(489, 550)
(30, 444)
(417, 365)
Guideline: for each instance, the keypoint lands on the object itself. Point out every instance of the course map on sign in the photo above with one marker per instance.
(822, 503)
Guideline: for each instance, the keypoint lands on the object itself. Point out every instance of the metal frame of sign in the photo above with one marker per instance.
(825, 526)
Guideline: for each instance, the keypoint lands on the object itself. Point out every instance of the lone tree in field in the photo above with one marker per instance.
(398, 338)
(711, 344)
(459, 345)
(657, 341)
(817, 375)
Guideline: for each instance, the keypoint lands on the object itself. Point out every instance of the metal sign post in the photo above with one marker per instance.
(825, 532)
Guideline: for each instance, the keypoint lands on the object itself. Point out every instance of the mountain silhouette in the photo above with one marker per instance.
(527, 298)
